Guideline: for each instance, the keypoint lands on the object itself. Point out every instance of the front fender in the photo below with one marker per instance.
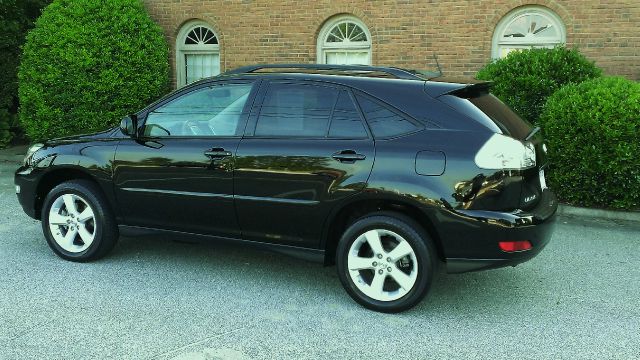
(53, 164)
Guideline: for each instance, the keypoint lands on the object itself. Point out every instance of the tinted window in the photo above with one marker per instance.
(296, 110)
(382, 121)
(346, 122)
(212, 111)
(467, 108)
(502, 115)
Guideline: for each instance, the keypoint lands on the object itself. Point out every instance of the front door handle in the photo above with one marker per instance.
(217, 153)
(348, 156)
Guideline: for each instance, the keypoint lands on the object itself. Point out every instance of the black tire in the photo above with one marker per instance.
(106, 229)
(421, 244)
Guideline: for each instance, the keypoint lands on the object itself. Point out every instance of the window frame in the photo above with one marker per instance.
(322, 46)
(499, 41)
(183, 49)
(244, 117)
(262, 94)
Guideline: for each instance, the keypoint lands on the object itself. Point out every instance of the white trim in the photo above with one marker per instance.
(183, 49)
(499, 41)
(322, 45)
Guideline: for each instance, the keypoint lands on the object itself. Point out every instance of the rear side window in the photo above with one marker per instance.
(383, 121)
(299, 110)
(346, 122)
(296, 110)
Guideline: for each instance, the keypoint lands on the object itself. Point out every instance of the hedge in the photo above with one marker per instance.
(593, 134)
(525, 79)
(16, 18)
(87, 63)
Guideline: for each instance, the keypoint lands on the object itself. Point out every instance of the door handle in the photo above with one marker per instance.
(348, 156)
(217, 153)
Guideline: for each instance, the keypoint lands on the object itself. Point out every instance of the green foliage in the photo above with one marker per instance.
(6, 119)
(593, 132)
(87, 63)
(16, 17)
(525, 79)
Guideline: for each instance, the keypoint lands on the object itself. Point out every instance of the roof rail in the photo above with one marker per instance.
(393, 71)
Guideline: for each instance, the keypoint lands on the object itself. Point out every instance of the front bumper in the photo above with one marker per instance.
(472, 236)
(26, 181)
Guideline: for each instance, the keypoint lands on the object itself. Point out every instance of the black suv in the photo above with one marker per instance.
(377, 169)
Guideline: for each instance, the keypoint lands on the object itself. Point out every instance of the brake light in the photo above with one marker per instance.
(513, 246)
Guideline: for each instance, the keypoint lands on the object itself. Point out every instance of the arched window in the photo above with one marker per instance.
(197, 53)
(525, 28)
(344, 40)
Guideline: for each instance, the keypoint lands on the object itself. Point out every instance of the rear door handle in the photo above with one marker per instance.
(217, 153)
(348, 156)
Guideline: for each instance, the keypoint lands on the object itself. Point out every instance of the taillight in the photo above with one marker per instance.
(513, 246)
(502, 152)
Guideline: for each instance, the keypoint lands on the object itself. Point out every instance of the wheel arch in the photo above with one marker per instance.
(57, 176)
(348, 213)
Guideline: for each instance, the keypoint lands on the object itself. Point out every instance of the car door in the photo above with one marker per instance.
(306, 149)
(178, 174)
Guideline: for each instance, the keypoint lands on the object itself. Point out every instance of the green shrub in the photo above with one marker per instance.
(593, 133)
(6, 119)
(16, 17)
(524, 79)
(87, 63)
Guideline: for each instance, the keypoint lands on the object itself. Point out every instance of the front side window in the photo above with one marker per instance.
(210, 111)
(197, 53)
(526, 28)
(344, 40)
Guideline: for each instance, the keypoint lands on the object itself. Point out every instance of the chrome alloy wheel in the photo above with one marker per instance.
(382, 265)
(72, 223)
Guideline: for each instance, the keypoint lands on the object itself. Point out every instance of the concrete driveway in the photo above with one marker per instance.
(157, 298)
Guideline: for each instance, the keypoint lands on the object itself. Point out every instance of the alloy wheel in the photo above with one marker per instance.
(72, 223)
(382, 265)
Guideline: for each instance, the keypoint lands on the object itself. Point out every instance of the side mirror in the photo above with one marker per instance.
(129, 125)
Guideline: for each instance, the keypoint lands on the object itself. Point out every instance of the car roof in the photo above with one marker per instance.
(358, 76)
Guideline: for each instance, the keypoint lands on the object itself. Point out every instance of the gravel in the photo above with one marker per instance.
(157, 298)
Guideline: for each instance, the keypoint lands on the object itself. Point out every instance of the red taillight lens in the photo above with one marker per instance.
(513, 246)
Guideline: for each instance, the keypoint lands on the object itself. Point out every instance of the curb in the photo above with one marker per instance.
(11, 158)
(599, 213)
(13, 154)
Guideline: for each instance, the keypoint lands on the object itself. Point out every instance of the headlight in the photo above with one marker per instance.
(501, 152)
(32, 150)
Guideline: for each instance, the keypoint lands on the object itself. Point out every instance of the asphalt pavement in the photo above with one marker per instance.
(157, 298)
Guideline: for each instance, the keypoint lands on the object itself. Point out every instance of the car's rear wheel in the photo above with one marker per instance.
(385, 262)
(77, 221)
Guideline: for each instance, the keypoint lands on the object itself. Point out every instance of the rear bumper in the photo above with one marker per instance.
(473, 241)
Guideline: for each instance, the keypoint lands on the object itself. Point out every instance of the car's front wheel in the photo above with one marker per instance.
(385, 262)
(77, 221)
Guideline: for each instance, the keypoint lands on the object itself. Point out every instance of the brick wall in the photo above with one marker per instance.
(404, 33)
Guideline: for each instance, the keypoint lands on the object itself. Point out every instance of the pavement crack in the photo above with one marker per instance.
(198, 342)
(31, 329)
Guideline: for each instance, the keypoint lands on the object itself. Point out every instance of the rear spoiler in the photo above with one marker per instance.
(467, 89)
